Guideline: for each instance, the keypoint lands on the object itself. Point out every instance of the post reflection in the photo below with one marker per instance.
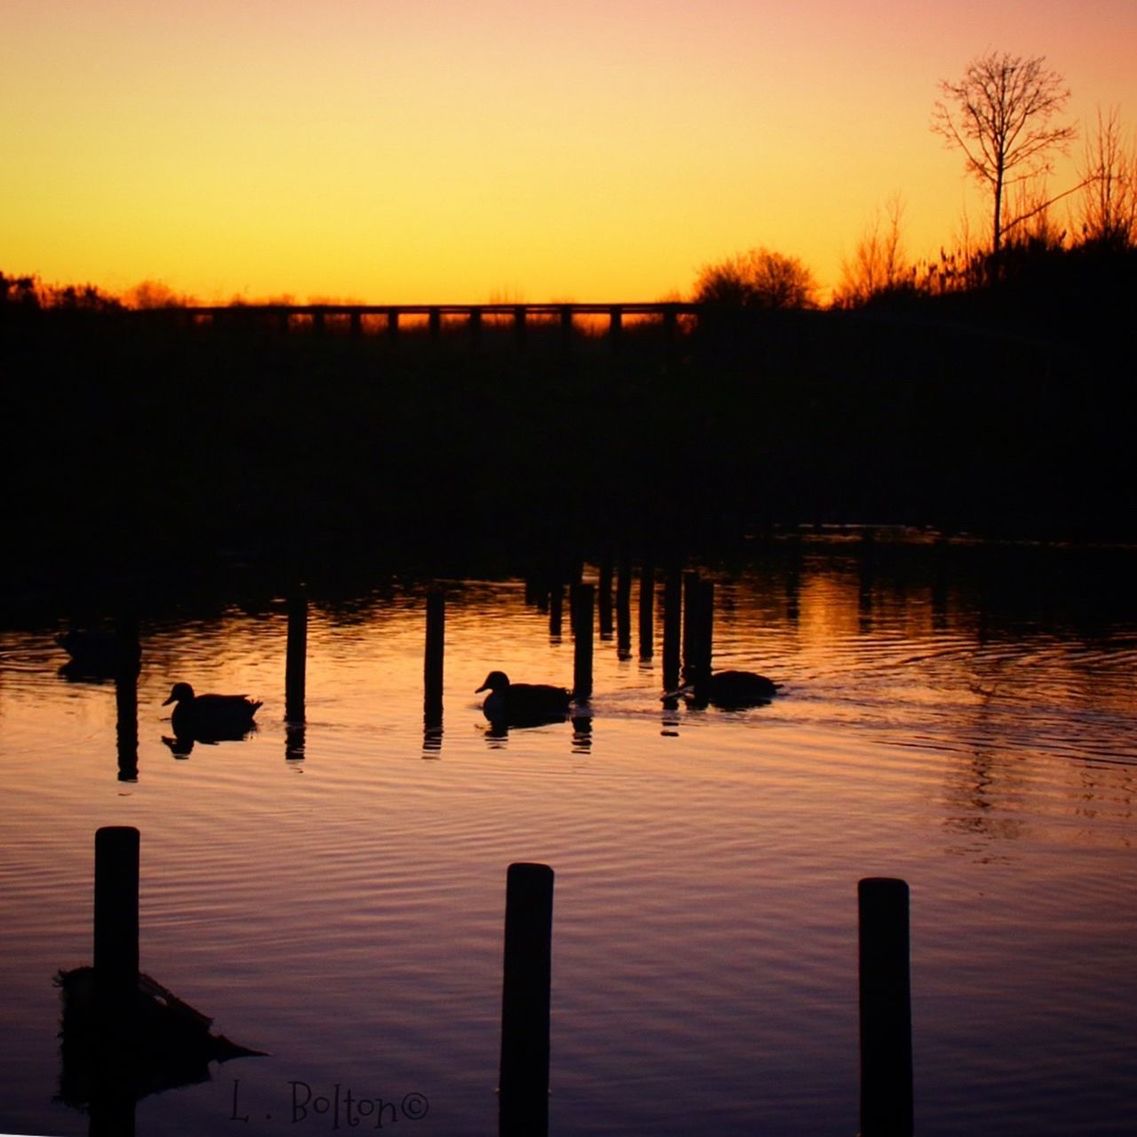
(294, 741)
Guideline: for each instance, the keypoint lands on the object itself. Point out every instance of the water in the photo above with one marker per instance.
(964, 722)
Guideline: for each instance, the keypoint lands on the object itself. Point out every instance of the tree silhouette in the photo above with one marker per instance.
(757, 279)
(999, 114)
(1109, 208)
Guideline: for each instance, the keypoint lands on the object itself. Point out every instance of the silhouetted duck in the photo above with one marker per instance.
(210, 718)
(731, 690)
(522, 704)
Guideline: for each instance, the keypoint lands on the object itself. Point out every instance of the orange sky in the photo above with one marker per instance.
(463, 151)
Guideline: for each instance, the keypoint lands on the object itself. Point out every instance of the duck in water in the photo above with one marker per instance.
(730, 690)
(210, 718)
(522, 704)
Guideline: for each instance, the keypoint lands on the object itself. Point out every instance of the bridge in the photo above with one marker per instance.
(390, 320)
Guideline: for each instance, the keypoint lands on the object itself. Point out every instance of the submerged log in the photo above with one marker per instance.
(166, 1043)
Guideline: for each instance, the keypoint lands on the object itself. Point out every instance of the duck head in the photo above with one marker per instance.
(495, 681)
(180, 692)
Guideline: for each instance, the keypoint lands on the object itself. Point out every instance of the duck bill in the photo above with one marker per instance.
(168, 701)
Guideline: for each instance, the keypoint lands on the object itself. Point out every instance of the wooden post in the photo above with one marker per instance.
(615, 327)
(475, 327)
(703, 626)
(886, 1008)
(434, 322)
(556, 608)
(116, 916)
(356, 323)
(672, 612)
(647, 611)
(296, 663)
(624, 610)
(127, 656)
(519, 324)
(566, 326)
(582, 608)
(432, 668)
(604, 597)
(392, 324)
(524, 1073)
(690, 622)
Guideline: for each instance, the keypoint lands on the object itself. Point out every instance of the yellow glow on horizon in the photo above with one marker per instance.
(451, 152)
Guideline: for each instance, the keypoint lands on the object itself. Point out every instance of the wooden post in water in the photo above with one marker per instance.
(582, 609)
(604, 597)
(295, 670)
(690, 620)
(672, 612)
(519, 324)
(556, 607)
(703, 627)
(624, 610)
(524, 1074)
(647, 611)
(116, 916)
(432, 667)
(434, 324)
(886, 1008)
(127, 657)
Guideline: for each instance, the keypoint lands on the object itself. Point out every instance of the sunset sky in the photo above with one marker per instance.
(464, 151)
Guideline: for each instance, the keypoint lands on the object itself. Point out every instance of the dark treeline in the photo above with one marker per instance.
(141, 445)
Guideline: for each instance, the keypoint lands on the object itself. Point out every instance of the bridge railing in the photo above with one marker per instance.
(609, 319)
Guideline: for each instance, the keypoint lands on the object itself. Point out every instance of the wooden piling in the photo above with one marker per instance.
(886, 1008)
(615, 327)
(127, 657)
(556, 609)
(604, 598)
(116, 916)
(700, 632)
(524, 1072)
(295, 670)
(582, 610)
(566, 327)
(647, 611)
(672, 612)
(432, 666)
(624, 610)
(690, 617)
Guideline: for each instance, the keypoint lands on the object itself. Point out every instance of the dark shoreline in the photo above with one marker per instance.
(141, 450)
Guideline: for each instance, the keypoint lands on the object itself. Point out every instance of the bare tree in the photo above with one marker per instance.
(1109, 173)
(1000, 115)
(878, 263)
(757, 279)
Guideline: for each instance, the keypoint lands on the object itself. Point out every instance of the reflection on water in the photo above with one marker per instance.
(332, 887)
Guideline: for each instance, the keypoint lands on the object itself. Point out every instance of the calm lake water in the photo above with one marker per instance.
(962, 718)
